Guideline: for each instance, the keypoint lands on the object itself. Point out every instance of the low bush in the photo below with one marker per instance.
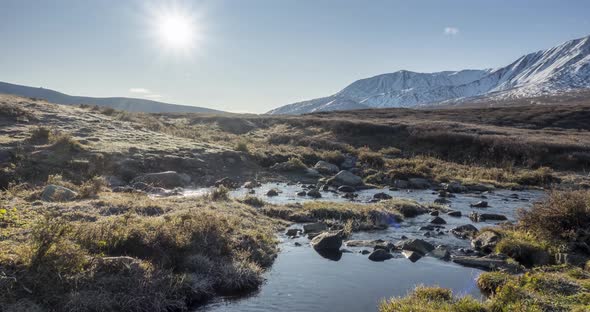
(431, 299)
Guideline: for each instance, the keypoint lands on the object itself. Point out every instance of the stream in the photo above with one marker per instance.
(303, 280)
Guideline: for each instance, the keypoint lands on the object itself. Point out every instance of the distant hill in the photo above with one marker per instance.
(120, 103)
(563, 68)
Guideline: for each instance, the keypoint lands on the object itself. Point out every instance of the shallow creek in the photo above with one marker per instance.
(303, 280)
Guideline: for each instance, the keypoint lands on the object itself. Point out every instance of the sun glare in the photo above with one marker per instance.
(175, 29)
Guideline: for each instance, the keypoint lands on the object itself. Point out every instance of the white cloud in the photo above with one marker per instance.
(139, 90)
(451, 31)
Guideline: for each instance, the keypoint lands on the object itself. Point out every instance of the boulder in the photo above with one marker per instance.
(401, 184)
(416, 245)
(482, 217)
(346, 189)
(419, 183)
(380, 255)
(464, 231)
(454, 187)
(314, 227)
(454, 213)
(166, 179)
(310, 172)
(327, 241)
(480, 187)
(349, 162)
(314, 193)
(302, 193)
(382, 196)
(292, 232)
(347, 178)
(434, 213)
(441, 252)
(486, 241)
(412, 255)
(325, 167)
(113, 181)
(53, 192)
(438, 220)
(272, 192)
(480, 204)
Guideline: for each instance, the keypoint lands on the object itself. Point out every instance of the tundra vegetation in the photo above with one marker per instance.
(70, 242)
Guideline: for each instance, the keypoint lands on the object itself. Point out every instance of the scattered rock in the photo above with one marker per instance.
(113, 181)
(312, 173)
(482, 217)
(412, 255)
(327, 241)
(364, 243)
(454, 187)
(401, 184)
(297, 244)
(438, 220)
(381, 196)
(480, 187)
(314, 227)
(365, 252)
(419, 183)
(480, 204)
(302, 193)
(416, 245)
(380, 255)
(346, 189)
(454, 213)
(465, 231)
(314, 193)
(347, 178)
(441, 253)
(350, 196)
(486, 241)
(325, 167)
(292, 232)
(272, 192)
(53, 192)
(434, 213)
(349, 162)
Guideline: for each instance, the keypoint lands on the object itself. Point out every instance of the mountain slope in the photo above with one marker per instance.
(558, 69)
(121, 103)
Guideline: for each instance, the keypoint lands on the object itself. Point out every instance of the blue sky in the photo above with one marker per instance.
(255, 55)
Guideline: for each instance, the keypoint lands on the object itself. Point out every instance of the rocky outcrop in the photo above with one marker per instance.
(56, 193)
(166, 179)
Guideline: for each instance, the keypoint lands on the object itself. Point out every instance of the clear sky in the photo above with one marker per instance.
(254, 55)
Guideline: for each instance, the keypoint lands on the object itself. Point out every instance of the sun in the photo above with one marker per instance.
(175, 29)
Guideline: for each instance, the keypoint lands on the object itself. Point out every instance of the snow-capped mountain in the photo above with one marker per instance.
(561, 68)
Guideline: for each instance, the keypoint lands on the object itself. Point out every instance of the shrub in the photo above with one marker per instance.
(295, 163)
(431, 299)
(242, 146)
(561, 217)
(490, 282)
(524, 249)
(92, 187)
(371, 159)
(541, 176)
(253, 201)
(333, 157)
(40, 135)
(219, 193)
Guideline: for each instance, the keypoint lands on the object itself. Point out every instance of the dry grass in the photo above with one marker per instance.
(128, 252)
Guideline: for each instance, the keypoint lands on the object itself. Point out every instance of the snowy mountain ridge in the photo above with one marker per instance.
(562, 68)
